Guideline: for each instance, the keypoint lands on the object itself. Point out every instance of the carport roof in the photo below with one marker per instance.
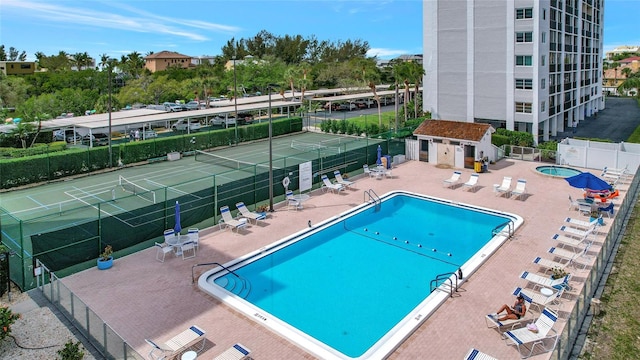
(99, 121)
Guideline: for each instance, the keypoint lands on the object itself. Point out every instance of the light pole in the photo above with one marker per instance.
(109, 67)
(235, 97)
(270, 87)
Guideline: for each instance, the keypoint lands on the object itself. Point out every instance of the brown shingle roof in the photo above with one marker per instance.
(167, 55)
(452, 129)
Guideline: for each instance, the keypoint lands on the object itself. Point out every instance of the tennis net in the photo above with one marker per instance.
(304, 146)
(230, 163)
(135, 189)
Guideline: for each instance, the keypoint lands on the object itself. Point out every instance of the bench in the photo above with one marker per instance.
(193, 337)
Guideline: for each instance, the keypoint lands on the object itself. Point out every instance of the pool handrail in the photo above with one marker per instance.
(446, 277)
(372, 197)
(510, 232)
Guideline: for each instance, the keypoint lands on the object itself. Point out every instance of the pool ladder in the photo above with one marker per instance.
(511, 228)
(371, 196)
(444, 281)
(238, 286)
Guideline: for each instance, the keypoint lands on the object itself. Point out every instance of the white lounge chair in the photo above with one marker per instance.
(523, 336)
(505, 187)
(541, 281)
(341, 180)
(548, 265)
(572, 255)
(236, 352)
(520, 189)
(537, 299)
(328, 185)
(474, 354)
(583, 225)
(574, 242)
(455, 177)
(229, 221)
(577, 232)
(193, 337)
(250, 215)
(472, 184)
(509, 324)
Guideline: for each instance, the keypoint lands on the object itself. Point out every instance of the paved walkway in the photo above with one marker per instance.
(143, 298)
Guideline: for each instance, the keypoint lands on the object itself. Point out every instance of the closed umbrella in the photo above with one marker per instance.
(379, 161)
(587, 180)
(177, 228)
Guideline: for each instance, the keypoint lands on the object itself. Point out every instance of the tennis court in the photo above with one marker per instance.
(67, 223)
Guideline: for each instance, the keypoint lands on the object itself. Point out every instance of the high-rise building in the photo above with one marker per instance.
(524, 65)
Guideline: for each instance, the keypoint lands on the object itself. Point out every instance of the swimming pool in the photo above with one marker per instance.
(557, 171)
(358, 284)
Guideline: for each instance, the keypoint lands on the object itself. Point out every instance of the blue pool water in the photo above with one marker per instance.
(558, 171)
(348, 283)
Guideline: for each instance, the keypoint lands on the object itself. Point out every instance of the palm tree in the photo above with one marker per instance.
(416, 73)
(103, 60)
(372, 86)
(615, 66)
(290, 74)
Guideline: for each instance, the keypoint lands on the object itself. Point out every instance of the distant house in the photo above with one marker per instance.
(614, 77)
(164, 59)
(17, 67)
(454, 143)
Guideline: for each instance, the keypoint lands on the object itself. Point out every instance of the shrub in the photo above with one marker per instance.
(7, 318)
(71, 351)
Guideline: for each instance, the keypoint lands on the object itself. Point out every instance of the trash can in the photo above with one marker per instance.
(477, 166)
(485, 166)
(388, 157)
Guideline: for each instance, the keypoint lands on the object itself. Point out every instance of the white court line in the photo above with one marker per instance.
(172, 189)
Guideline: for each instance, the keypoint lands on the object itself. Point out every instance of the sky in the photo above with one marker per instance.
(203, 27)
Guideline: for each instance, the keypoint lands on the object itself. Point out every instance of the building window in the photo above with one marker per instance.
(526, 84)
(524, 60)
(524, 37)
(526, 13)
(543, 60)
(543, 83)
(544, 14)
(523, 107)
(543, 37)
(543, 107)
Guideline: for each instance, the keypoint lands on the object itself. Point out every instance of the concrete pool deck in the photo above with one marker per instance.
(143, 298)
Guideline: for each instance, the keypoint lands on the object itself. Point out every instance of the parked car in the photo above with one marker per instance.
(245, 118)
(183, 125)
(97, 139)
(192, 105)
(222, 121)
(348, 106)
(168, 106)
(333, 106)
(365, 103)
(68, 135)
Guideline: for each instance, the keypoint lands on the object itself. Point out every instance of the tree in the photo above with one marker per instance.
(415, 73)
(630, 84)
